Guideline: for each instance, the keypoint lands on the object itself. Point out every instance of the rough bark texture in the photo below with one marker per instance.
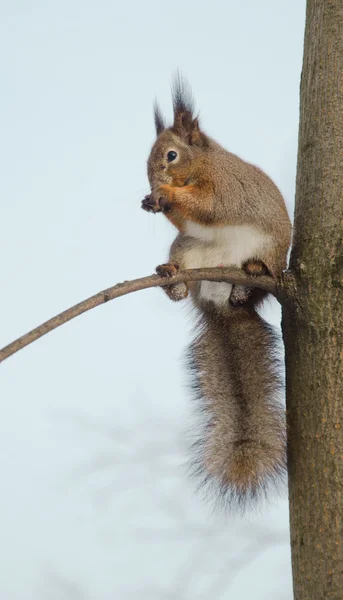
(313, 323)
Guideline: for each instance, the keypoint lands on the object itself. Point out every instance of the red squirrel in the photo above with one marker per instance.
(227, 212)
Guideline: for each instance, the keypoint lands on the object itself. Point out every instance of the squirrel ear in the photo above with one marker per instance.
(182, 123)
(159, 120)
(196, 136)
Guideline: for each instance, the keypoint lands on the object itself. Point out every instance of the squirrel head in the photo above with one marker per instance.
(174, 155)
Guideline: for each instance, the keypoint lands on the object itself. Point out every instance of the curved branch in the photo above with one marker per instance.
(230, 275)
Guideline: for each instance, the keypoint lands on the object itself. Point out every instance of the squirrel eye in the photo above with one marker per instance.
(171, 155)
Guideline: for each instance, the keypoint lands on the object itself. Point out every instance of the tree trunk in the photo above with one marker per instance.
(313, 319)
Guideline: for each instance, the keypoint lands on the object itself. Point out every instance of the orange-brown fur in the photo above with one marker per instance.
(217, 200)
(193, 202)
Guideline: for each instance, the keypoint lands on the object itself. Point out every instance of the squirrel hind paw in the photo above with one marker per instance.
(175, 291)
(239, 295)
(167, 269)
(255, 268)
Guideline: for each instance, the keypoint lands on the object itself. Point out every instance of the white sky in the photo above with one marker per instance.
(95, 501)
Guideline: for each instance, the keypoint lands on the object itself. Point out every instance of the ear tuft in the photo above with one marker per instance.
(186, 125)
(159, 119)
(183, 105)
(183, 101)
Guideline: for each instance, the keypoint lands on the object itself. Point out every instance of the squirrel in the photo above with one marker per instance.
(227, 212)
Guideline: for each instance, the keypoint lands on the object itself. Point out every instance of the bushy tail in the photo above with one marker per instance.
(242, 448)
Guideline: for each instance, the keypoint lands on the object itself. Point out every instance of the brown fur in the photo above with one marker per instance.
(242, 445)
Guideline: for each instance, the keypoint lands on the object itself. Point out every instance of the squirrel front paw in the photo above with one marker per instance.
(156, 201)
(164, 204)
(150, 205)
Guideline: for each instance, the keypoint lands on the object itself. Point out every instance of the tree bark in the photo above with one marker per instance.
(312, 320)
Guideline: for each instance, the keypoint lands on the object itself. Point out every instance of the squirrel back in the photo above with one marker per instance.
(228, 213)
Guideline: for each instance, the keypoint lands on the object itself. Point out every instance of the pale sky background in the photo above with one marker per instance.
(95, 500)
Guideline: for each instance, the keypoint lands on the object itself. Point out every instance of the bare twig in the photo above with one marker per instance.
(230, 275)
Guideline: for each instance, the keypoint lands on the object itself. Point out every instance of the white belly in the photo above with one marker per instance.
(222, 246)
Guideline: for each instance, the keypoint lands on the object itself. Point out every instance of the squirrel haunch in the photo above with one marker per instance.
(228, 212)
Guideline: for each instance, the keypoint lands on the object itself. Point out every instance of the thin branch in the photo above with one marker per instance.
(230, 275)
